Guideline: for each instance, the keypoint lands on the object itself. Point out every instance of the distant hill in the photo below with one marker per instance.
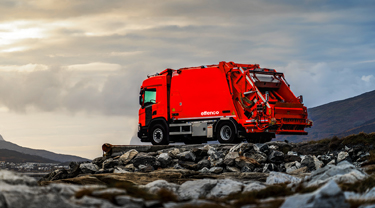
(41, 153)
(340, 118)
(17, 157)
(367, 127)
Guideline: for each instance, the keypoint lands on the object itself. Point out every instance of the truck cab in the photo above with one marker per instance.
(153, 99)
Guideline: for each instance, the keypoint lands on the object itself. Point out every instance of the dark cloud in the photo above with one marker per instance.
(145, 37)
(72, 91)
(49, 9)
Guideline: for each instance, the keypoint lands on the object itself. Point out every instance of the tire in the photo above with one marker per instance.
(226, 133)
(159, 135)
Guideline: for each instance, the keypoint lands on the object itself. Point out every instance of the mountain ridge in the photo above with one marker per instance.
(41, 153)
(18, 157)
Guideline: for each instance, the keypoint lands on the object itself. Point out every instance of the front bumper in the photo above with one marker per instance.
(142, 134)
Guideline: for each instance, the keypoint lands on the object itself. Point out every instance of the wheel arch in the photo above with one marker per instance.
(231, 120)
(159, 120)
(158, 123)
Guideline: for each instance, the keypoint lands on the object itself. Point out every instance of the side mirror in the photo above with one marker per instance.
(141, 97)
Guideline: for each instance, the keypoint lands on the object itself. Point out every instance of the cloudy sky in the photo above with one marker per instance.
(70, 70)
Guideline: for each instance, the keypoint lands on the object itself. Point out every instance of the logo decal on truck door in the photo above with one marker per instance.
(208, 113)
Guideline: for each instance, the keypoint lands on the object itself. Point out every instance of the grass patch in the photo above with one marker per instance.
(361, 138)
(274, 203)
(336, 142)
(358, 203)
(301, 189)
(332, 143)
(359, 186)
(371, 170)
(162, 195)
(134, 191)
(165, 195)
(285, 149)
(89, 192)
(204, 206)
(371, 158)
(322, 141)
(253, 197)
(84, 192)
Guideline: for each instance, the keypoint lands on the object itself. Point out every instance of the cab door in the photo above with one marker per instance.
(147, 100)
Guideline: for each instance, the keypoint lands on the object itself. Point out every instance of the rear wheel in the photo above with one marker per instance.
(159, 135)
(226, 133)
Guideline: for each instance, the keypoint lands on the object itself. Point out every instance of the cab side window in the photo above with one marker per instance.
(150, 97)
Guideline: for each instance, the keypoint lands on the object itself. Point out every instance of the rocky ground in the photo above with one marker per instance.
(328, 173)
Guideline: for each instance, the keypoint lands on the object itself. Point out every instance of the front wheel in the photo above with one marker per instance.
(159, 135)
(226, 133)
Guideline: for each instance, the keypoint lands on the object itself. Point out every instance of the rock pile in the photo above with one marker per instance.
(214, 160)
(245, 175)
(278, 190)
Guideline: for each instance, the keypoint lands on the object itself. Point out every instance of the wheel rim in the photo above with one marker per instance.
(225, 133)
(157, 136)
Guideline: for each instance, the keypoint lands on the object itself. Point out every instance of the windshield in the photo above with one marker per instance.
(150, 97)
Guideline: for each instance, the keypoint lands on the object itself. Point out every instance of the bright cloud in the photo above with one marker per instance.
(11, 32)
(94, 67)
(367, 78)
(23, 68)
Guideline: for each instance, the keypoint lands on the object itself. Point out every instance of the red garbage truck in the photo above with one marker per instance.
(228, 102)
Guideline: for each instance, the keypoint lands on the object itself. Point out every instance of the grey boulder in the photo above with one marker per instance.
(276, 178)
(330, 195)
(164, 160)
(260, 157)
(216, 170)
(241, 148)
(343, 156)
(261, 148)
(292, 166)
(230, 157)
(254, 186)
(13, 178)
(128, 156)
(144, 159)
(196, 189)
(225, 187)
(276, 157)
(88, 168)
(344, 172)
(155, 186)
